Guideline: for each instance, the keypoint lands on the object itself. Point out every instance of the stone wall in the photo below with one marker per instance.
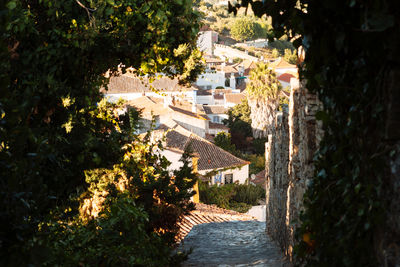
(289, 152)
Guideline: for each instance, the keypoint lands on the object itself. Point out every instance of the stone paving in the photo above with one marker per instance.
(238, 243)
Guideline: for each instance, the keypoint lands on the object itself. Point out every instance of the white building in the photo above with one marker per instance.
(206, 41)
(214, 164)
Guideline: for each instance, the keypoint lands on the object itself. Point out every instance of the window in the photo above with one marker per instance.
(228, 178)
(216, 119)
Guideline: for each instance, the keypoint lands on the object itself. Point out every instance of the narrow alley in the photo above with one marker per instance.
(235, 243)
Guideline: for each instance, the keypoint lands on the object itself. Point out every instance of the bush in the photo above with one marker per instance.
(117, 238)
(238, 197)
(248, 194)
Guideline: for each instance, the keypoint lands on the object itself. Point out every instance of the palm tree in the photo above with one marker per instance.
(263, 97)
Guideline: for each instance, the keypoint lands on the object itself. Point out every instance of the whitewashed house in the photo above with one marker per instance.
(214, 164)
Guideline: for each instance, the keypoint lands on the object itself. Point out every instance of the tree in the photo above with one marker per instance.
(290, 56)
(239, 123)
(263, 97)
(246, 29)
(223, 140)
(54, 58)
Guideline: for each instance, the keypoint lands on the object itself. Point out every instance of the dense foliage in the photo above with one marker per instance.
(239, 123)
(263, 84)
(263, 93)
(257, 146)
(53, 127)
(238, 197)
(224, 141)
(350, 47)
(245, 29)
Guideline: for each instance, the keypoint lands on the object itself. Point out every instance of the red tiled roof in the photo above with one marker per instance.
(213, 125)
(128, 83)
(285, 77)
(210, 156)
(188, 113)
(228, 69)
(280, 63)
(235, 98)
(213, 109)
(213, 60)
(149, 105)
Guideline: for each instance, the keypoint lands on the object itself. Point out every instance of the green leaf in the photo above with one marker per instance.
(11, 5)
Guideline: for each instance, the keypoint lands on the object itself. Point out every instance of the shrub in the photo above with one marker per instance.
(239, 197)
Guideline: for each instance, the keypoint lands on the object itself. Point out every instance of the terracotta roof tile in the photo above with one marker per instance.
(213, 60)
(214, 109)
(213, 125)
(188, 113)
(280, 63)
(285, 77)
(234, 98)
(128, 83)
(210, 156)
(149, 105)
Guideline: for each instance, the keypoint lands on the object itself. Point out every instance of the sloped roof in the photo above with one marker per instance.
(248, 66)
(285, 77)
(220, 126)
(188, 113)
(235, 98)
(213, 60)
(214, 109)
(210, 156)
(149, 105)
(228, 68)
(280, 63)
(128, 83)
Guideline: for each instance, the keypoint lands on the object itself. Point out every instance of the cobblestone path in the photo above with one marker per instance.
(231, 244)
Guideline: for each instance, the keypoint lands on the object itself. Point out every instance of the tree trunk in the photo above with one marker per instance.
(262, 115)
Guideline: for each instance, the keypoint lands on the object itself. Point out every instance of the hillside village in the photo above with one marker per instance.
(211, 148)
(195, 114)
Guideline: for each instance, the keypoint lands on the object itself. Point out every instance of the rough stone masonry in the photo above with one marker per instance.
(289, 151)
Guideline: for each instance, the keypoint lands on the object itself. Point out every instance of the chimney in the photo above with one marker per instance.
(167, 100)
(232, 81)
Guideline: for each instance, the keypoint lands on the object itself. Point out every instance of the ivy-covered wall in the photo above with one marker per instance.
(351, 62)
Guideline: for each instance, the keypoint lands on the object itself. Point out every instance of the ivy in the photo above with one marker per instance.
(349, 47)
